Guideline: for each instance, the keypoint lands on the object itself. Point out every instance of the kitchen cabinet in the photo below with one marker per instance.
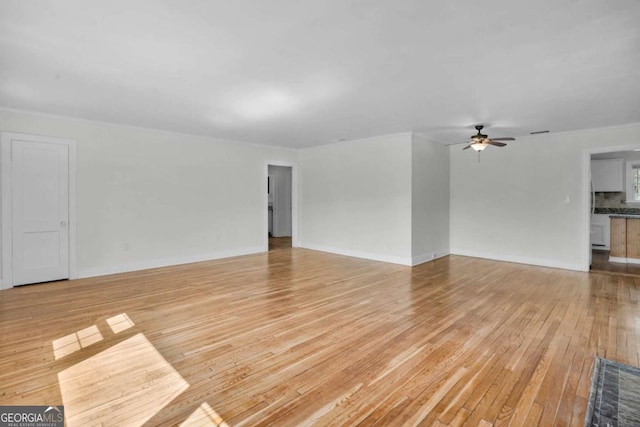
(633, 239)
(625, 239)
(618, 239)
(607, 175)
(600, 231)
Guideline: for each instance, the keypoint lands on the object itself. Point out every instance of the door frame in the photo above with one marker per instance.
(6, 278)
(294, 202)
(586, 195)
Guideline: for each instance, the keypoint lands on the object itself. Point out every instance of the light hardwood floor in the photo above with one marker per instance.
(600, 263)
(296, 337)
(279, 243)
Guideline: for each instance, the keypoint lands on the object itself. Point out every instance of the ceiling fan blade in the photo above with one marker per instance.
(503, 139)
(468, 146)
(497, 144)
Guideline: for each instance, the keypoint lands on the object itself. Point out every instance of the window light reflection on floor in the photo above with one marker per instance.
(75, 341)
(204, 416)
(119, 323)
(127, 384)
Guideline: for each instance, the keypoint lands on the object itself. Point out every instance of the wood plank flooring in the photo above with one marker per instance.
(600, 263)
(276, 243)
(297, 337)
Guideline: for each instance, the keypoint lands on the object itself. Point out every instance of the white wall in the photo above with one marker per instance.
(356, 198)
(149, 198)
(527, 202)
(430, 200)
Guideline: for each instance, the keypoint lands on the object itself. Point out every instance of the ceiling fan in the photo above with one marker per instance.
(480, 141)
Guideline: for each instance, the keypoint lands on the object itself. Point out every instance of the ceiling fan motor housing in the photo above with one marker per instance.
(479, 136)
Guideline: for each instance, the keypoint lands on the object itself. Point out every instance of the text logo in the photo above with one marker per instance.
(31, 416)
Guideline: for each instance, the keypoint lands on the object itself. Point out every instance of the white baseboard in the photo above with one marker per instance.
(624, 260)
(416, 260)
(164, 262)
(358, 254)
(429, 256)
(542, 262)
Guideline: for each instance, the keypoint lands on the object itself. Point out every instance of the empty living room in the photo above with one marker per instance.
(332, 213)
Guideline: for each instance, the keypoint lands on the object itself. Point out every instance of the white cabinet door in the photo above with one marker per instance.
(607, 175)
(600, 230)
(40, 200)
(597, 235)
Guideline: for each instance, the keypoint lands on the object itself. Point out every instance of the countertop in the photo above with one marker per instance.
(624, 216)
(617, 211)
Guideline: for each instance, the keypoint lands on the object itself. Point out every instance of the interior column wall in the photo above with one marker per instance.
(429, 200)
(356, 198)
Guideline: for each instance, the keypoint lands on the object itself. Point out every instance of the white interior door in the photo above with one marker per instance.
(282, 202)
(40, 211)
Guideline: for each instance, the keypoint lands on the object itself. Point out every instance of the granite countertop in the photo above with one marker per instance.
(624, 216)
(617, 211)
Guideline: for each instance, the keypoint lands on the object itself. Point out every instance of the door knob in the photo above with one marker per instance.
(63, 223)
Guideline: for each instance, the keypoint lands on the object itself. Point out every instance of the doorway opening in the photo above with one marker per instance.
(281, 205)
(614, 198)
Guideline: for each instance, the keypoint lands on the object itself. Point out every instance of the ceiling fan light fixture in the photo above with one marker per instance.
(480, 141)
(479, 146)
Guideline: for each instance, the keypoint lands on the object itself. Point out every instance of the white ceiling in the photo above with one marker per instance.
(302, 73)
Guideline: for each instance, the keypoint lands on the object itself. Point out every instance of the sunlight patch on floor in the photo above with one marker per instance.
(126, 384)
(119, 323)
(204, 416)
(75, 341)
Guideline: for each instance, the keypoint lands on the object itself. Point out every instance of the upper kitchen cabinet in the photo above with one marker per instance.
(607, 175)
